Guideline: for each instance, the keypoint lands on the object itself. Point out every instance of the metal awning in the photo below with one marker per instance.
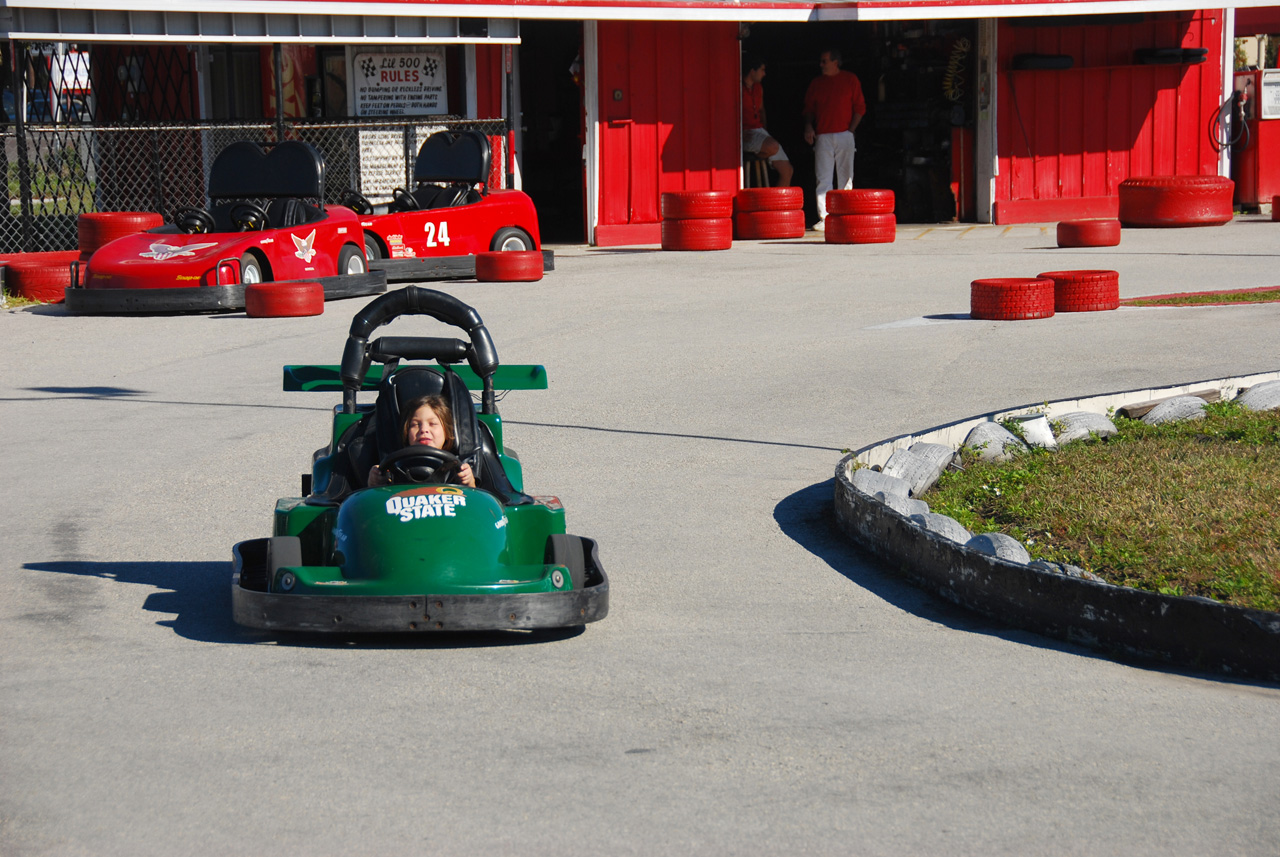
(479, 21)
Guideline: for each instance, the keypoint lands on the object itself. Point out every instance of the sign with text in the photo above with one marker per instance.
(408, 83)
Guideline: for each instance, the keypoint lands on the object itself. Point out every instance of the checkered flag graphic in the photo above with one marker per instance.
(369, 67)
(429, 65)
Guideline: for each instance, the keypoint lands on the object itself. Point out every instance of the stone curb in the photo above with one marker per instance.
(1190, 632)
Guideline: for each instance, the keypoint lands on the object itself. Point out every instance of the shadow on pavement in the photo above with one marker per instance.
(198, 598)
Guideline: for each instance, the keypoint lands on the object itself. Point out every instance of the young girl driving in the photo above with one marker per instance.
(428, 422)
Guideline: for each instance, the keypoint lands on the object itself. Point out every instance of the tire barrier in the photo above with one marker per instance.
(1084, 291)
(1171, 201)
(860, 228)
(509, 266)
(1275, 208)
(40, 277)
(769, 199)
(283, 300)
(1011, 298)
(697, 220)
(96, 228)
(762, 225)
(1090, 232)
(860, 201)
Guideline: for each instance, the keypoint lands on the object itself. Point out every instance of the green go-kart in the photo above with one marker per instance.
(418, 554)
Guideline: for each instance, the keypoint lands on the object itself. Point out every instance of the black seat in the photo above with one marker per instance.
(285, 213)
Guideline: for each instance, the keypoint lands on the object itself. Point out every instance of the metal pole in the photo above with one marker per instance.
(277, 57)
(20, 129)
(510, 120)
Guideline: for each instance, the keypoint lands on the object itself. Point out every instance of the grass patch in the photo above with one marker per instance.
(1253, 296)
(1186, 508)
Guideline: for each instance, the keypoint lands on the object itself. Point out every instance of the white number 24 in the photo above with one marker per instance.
(432, 235)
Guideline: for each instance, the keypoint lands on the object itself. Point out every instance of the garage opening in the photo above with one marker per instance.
(553, 125)
(918, 79)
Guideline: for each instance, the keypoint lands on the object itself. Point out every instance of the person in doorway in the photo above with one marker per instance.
(833, 107)
(755, 139)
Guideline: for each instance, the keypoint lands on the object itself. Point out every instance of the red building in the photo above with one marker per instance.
(982, 110)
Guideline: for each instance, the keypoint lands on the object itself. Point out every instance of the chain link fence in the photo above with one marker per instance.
(58, 170)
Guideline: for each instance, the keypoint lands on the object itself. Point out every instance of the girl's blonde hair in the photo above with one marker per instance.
(442, 411)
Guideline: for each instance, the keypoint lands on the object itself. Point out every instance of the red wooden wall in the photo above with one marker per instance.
(1068, 138)
(669, 102)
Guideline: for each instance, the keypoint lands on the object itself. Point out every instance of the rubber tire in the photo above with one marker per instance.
(1173, 201)
(760, 225)
(570, 552)
(249, 263)
(1011, 299)
(769, 199)
(372, 251)
(43, 279)
(697, 204)
(860, 201)
(1084, 291)
(1275, 208)
(510, 266)
(505, 234)
(347, 257)
(95, 228)
(283, 300)
(1091, 232)
(712, 233)
(860, 229)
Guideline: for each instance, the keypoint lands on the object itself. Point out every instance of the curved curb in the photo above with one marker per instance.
(1196, 633)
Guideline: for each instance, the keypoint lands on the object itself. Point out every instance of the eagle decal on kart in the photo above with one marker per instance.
(161, 251)
(305, 246)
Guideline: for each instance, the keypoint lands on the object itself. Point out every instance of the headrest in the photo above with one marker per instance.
(453, 156)
(397, 391)
(251, 170)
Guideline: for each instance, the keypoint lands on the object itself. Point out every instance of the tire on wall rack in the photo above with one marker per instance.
(860, 229)
(708, 233)
(1084, 291)
(769, 199)
(761, 225)
(1089, 232)
(95, 228)
(283, 300)
(860, 201)
(510, 266)
(1171, 201)
(697, 204)
(42, 277)
(1011, 298)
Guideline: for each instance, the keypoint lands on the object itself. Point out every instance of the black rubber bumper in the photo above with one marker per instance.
(82, 301)
(440, 267)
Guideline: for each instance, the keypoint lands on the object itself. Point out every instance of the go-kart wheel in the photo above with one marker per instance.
(402, 200)
(509, 239)
(250, 269)
(357, 202)
(568, 551)
(194, 221)
(419, 464)
(350, 261)
(371, 249)
(248, 217)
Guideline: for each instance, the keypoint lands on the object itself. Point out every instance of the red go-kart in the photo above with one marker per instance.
(436, 229)
(203, 259)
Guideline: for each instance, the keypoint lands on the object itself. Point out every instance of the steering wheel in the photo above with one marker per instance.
(357, 202)
(248, 217)
(194, 221)
(419, 464)
(404, 200)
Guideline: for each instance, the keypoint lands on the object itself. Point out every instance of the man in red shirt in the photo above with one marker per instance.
(755, 138)
(833, 107)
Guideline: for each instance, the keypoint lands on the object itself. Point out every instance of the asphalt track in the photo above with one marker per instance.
(759, 687)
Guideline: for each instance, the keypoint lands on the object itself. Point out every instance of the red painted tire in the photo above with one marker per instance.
(509, 266)
(283, 300)
(769, 199)
(1011, 298)
(712, 233)
(1165, 201)
(697, 204)
(1084, 291)
(40, 276)
(759, 225)
(96, 228)
(1091, 232)
(860, 201)
(860, 228)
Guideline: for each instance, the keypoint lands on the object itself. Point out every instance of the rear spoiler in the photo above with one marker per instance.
(328, 379)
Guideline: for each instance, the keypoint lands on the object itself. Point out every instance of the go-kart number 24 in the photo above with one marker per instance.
(442, 233)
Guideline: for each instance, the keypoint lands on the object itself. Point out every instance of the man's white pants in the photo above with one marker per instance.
(832, 153)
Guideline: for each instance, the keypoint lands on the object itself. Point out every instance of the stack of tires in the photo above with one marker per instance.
(761, 213)
(1171, 201)
(40, 277)
(860, 216)
(697, 220)
(95, 228)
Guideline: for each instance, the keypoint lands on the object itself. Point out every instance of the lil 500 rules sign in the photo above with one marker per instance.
(401, 84)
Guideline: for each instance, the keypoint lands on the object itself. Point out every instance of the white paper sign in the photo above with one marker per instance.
(409, 83)
(1270, 101)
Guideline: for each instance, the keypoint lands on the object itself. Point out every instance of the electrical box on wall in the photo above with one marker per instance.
(1269, 97)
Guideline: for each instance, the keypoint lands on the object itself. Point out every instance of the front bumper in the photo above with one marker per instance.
(83, 301)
